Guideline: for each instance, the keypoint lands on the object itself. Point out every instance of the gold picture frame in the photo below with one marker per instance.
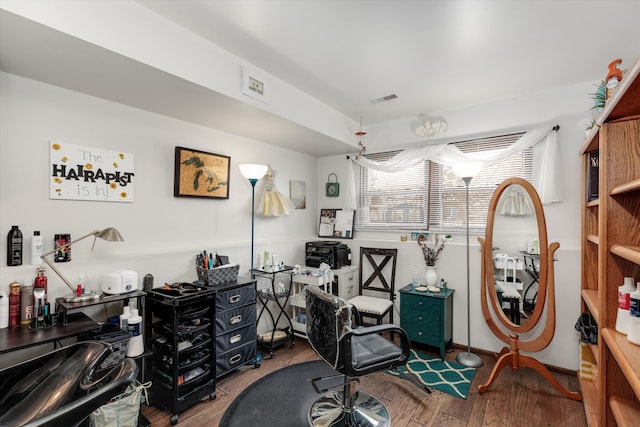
(201, 174)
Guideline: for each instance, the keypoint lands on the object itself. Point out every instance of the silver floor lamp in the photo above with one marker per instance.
(467, 171)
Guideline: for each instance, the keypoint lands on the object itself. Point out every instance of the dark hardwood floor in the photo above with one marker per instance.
(515, 399)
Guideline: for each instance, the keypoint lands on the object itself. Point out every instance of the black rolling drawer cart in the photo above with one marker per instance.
(182, 335)
(235, 325)
(427, 317)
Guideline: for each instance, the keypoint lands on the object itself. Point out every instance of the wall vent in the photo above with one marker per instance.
(384, 98)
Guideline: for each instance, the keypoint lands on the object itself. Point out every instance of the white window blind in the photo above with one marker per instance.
(430, 195)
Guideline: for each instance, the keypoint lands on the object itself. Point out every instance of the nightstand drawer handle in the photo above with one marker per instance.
(234, 299)
(235, 319)
(235, 359)
(236, 338)
(420, 303)
(420, 333)
(419, 317)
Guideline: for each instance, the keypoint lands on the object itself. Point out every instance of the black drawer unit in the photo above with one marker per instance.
(182, 336)
(235, 325)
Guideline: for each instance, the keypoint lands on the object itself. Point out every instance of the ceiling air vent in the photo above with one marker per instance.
(384, 98)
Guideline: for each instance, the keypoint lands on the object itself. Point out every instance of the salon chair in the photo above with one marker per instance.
(61, 388)
(353, 351)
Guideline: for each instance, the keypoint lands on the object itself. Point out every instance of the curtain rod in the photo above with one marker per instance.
(556, 128)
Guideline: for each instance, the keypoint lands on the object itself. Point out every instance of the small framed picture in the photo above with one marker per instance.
(336, 223)
(201, 174)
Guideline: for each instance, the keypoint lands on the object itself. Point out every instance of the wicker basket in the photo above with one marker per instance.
(117, 339)
(219, 275)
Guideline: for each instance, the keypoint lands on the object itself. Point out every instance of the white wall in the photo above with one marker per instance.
(162, 233)
(567, 107)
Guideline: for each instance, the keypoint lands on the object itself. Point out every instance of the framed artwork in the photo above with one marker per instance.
(336, 223)
(201, 174)
(79, 172)
(298, 194)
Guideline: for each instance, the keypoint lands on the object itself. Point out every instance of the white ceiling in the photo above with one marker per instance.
(434, 55)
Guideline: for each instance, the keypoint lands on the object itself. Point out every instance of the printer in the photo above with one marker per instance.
(336, 254)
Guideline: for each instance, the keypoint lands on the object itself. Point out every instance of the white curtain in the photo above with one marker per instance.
(549, 183)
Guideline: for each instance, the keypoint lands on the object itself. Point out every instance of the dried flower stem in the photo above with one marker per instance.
(431, 254)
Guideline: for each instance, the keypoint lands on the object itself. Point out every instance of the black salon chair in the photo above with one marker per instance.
(61, 388)
(353, 351)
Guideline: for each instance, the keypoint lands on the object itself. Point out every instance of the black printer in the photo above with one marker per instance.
(336, 254)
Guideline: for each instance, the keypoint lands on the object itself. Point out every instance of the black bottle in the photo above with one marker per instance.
(14, 246)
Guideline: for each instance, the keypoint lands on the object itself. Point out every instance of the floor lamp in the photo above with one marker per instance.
(467, 171)
(253, 173)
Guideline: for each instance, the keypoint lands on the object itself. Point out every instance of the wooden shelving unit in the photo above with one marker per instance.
(611, 251)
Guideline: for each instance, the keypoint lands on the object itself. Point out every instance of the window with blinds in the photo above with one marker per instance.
(429, 195)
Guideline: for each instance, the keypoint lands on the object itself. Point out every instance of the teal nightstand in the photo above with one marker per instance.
(427, 317)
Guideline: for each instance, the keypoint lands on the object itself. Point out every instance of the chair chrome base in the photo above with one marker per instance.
(367, 411)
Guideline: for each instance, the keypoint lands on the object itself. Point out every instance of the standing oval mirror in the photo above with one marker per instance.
(517, 279)
(516, 232)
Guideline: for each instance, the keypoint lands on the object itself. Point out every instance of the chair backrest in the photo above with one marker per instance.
(381, 277)
(328, 319)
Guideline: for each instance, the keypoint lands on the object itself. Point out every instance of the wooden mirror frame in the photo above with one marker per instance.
(510, 356)
(543, 269)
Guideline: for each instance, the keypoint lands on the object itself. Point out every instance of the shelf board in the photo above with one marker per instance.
(626, 187)
(589, 399)
(628, 252)
(592, 203)
(625, 411)
(590, 297)
(593, 239)
(626, 354)
(297, 300)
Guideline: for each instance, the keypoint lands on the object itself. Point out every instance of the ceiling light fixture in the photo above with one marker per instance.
(431, 126)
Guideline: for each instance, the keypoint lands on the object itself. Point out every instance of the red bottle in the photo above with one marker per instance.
(41, 281)
(14, 304)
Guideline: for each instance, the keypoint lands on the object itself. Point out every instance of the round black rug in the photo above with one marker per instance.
(281, 398)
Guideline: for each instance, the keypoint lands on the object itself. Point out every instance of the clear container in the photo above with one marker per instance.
(415, 279)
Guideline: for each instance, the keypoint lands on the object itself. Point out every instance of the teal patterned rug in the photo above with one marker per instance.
(448, 377)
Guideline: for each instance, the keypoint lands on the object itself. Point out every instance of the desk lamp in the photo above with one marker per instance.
(467, 171)
(253, 173)
(109, 234)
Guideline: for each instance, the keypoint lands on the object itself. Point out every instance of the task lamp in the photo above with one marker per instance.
(253, 173)
(110, 234)
(467, 171)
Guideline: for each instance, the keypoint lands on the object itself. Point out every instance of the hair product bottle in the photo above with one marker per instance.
(124, 318)
(624, 292)
(36, 248)
(4, 310)
(14, 246)
(633, 334)
(136, 345)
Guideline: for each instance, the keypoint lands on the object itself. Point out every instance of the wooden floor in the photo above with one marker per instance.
(515, 399)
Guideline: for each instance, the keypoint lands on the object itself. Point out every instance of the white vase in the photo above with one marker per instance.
(431, 277)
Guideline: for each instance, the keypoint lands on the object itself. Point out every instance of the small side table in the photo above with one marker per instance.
(269, 340)
(427, 317)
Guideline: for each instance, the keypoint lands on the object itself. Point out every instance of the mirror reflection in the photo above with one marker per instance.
(516, 254)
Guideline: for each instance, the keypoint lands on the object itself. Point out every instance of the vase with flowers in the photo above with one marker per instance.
(431, 258)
